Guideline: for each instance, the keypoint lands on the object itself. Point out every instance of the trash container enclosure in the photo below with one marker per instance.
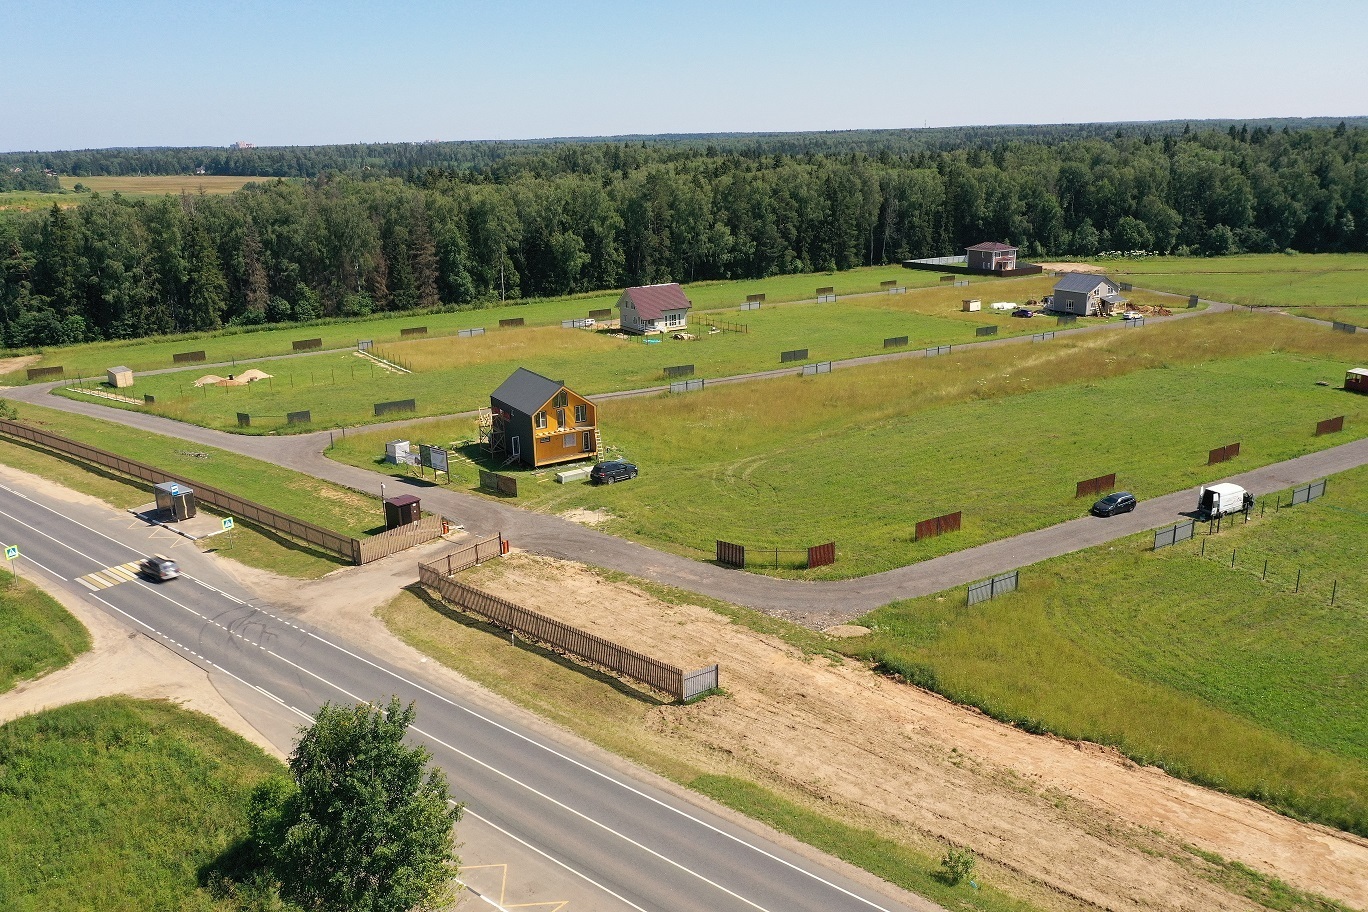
(176, 499)
(397, 452)
(402, 510)
(119, 377)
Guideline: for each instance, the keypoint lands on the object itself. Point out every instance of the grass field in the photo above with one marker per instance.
(456, 375)
(1340, 313)
(860, 455)
(1272, 279)
(118, 804)
(320, 502)
(91, 359)
(138, 185)
(37, 635)
(1214, 672)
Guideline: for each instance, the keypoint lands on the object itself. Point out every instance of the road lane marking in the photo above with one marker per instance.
(109, 576)
(658, 802)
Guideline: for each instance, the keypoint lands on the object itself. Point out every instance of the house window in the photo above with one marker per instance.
(562, 399)
(570, 441)
(560, 417)
(581, 414)
(541, 420)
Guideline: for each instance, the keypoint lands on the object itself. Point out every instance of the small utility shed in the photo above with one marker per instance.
(654, 308)
(1356, 380)
(991, 255)
(1085, 295)
(537, 421)
(119, 377)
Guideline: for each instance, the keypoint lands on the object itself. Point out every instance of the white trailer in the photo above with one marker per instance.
(1222, 499)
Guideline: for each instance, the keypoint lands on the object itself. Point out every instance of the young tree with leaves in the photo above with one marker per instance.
(365, 825)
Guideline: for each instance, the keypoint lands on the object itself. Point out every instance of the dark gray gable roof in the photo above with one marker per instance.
(1082, 282)
(526, 391)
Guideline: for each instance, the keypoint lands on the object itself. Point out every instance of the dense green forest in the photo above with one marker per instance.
(562, 217)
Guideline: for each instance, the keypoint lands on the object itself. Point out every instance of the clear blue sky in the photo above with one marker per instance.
(147, 72)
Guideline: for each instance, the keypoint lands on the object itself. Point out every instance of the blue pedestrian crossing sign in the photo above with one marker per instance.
(227, 523)
(11, 552)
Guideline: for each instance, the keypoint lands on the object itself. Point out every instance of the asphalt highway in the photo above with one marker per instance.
(625, 842)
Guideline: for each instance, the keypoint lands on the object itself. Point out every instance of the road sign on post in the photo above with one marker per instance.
(11, 552)
(227, 523)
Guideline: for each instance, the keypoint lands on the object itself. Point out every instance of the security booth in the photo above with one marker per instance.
(175, 500)
(402, 510)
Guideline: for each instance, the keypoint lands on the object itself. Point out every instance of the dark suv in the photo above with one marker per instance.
(611, 471)
(1120, 502)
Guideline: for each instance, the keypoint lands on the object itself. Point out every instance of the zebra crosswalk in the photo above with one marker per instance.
(109, 576)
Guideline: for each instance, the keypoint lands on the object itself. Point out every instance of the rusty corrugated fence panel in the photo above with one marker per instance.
(821, 555)
(1095, 485)
(938, 525)
(731, 555)
(662, 676)
(248, 511)
(1330, 426)
(1223, 454)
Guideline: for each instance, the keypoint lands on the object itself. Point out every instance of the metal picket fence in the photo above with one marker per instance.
(991, 588)
(1171, 536)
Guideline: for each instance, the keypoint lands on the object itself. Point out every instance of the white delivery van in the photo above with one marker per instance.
(1220, 499)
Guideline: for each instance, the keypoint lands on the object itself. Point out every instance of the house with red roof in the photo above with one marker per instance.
(991, 256)
(654, 309)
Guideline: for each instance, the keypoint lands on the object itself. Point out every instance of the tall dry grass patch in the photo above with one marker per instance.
(524, 343)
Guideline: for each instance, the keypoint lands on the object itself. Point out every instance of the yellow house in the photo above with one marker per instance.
(540, 422)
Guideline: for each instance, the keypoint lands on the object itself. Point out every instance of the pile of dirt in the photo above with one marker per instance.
(1077, 818)
(242, 379)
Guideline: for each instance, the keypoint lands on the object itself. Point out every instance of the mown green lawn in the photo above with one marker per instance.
(118, 804)
(1176, 657)
(860, 455)
(455, 375)
(91, 359)
(1340, 313)
(37, 635)
(1273, 279)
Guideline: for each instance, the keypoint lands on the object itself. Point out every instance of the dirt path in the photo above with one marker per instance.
(1075, 817)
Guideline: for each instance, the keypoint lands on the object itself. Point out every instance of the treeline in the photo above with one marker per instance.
(16, 178)
(409, 159)
(568, 218)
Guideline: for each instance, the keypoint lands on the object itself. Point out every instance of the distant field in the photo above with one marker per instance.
(1274, 279)
(454, 375)
(159, 185)
(1344, 313)
(151, 354)
(860, 455)
(121, 805)
(37, 635)
(1212, 671)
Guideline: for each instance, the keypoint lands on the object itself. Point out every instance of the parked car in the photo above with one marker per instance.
(1132, 315)
(1120, 502)
(158, 567)
(611, 471)
(1023, 312)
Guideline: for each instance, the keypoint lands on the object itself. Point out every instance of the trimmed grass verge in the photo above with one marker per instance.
(37, 635)
(1217, 673)
(120, 804)
(320, 502)
(1263, 279)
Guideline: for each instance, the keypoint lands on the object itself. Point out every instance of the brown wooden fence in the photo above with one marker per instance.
(476, 552)
(1223, 454)
(506, 485)
(326, 539)
(427, 529)
(821, 555)
(1330, 426)
(562, 637)
(938, 525)
(187, 357)
(412, 331)
(46, 373)
(731, 555)
(1095, 485)
(510, 322)
(602, 314)
(306, 344)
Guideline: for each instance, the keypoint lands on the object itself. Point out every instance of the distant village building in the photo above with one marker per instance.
(242, 144)
(991, 256)
(654, 308)
(1085, 295)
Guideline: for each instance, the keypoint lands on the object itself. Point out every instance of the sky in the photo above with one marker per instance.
(153, 73)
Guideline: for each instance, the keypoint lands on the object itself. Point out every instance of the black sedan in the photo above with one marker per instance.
(1120, 502)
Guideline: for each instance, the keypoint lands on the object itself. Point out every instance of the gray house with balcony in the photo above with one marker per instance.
(1083, 294)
